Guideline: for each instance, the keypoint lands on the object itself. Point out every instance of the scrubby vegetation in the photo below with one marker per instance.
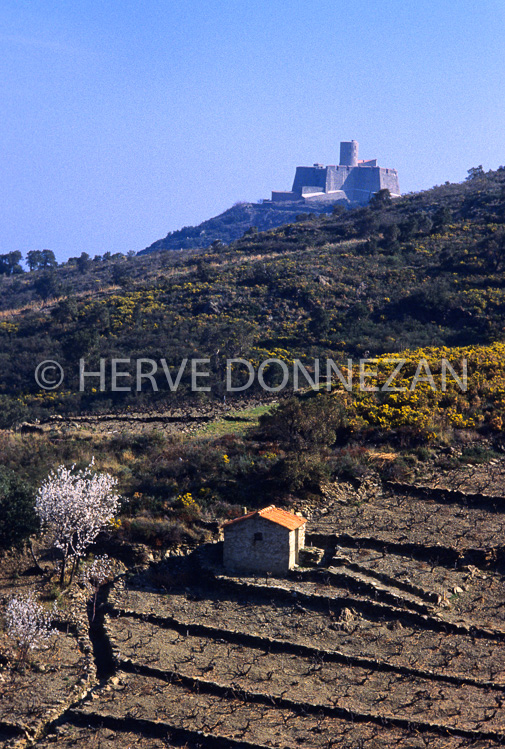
(425, 270)
(420, 279)
(18, 518)
(397, 461)
(234, 223)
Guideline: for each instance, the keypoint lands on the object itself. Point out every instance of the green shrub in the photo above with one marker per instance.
(18, 520)
(396, 470)
(349, 464)
(298, 423)
(158, 533)
(477, 454)
(302, 471)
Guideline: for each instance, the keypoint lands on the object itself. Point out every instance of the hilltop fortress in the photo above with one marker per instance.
(354, 180)
(315, 190)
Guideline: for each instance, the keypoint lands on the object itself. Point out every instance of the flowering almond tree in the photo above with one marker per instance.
(28, 623)
(99, 572)
(74, 506)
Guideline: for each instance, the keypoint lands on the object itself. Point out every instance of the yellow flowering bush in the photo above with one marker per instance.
(188, 502)
(420, 397)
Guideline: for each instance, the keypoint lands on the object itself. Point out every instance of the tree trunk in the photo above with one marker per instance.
(64, 565)
(37, 565)
(75, 567)
(62, 574)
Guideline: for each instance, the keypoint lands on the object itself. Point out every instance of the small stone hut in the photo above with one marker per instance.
(267, 540)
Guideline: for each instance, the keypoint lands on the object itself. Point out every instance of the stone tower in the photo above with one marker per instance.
(349, 153)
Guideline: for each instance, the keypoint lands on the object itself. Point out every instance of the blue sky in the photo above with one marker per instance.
(122, 121)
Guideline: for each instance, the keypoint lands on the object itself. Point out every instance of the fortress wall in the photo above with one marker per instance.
(308, 189)
(362, 183)
(309, 175)
(358, 182)
(365, 178)
(389, 181)
(335, 177)
(324, 197)
(279, 197)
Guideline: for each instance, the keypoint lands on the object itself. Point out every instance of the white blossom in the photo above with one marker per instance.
(75, 505)
(28, 622)
(97, 573)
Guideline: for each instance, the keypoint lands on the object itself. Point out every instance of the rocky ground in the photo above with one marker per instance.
(396, 639)
(177, 420)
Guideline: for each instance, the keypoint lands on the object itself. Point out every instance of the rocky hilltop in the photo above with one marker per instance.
(233, 223)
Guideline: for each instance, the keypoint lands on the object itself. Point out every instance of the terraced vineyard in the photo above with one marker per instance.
(396, 640)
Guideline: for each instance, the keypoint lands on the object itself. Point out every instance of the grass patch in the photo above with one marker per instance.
(236, 422)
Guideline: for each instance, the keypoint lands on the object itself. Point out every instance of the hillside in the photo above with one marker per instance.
(391, 631)
(233, 223)
(426, 270)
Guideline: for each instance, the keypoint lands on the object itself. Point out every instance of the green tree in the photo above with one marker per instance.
(18, 520)
(441, 217)
(494, 251)
(65, 311)
(11, 412)
(83, 262)
(368, 223)
(302, 470)
(47, 259)
(320, 320)
(251, 231)
(409, 228)
(380, 199)
(474, 172)
(10, 263)
(391, 234)
(119, 272)
(305, 423)
(203, 270)
(47, 285)
(424, 222)
(34, 259)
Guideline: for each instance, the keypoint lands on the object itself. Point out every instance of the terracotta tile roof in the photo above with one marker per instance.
(276, 515)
